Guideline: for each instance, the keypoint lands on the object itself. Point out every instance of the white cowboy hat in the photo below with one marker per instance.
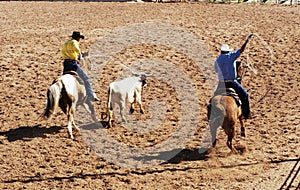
(225, 47)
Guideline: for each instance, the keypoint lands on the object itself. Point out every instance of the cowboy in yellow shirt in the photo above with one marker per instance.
(71, 50)
(71, 53)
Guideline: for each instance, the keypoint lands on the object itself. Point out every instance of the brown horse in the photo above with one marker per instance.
(68, 93)
(224, 111)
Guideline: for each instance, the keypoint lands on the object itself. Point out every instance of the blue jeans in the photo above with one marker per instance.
(243, 95)
(70, 65)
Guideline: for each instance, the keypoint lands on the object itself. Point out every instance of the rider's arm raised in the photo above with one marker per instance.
(245, 43)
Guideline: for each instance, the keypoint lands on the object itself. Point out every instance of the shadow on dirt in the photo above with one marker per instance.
(82, 175)
(29, 132)
(95, 125)
(177, 155)
(189, 155)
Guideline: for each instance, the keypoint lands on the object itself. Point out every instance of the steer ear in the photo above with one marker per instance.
(143, 79)
(143, 76)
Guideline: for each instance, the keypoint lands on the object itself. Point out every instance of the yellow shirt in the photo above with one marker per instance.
(71, 50)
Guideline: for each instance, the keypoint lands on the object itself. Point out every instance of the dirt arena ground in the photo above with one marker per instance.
(37, 154)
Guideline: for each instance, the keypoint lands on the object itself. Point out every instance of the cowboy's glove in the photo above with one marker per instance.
(250, 36)
(80, 57)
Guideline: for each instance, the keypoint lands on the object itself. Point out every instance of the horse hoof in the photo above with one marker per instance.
(131, 110)
(214, 143)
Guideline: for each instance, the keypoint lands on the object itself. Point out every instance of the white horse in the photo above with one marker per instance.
(68, 93)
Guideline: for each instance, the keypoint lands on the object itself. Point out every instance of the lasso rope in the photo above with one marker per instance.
(249, 63)
(125, 66)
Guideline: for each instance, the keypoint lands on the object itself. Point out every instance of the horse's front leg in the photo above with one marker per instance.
(230, 135)
(75, 126)
(90, 108)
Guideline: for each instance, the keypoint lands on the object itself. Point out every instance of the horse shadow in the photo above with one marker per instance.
(190, 155)
(176, 156)
(29, 132)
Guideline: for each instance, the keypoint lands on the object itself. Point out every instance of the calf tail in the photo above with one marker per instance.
(109, 104)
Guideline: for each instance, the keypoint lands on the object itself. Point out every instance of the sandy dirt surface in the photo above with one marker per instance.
(38, 154)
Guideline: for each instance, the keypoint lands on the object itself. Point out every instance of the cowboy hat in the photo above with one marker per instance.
(226, 48)
(77, 35)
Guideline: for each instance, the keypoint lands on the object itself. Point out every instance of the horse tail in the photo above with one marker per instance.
(218, 110)
(53, 95)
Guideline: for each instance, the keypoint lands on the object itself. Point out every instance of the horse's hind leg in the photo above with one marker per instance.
(230, 145)
(243, 131)
(72, 114)
(90, 108)
(70, 125)
(213, 132)
(230, 137)
(71, 121)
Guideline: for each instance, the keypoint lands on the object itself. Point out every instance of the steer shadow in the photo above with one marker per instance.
(95, 125)
(29, 132)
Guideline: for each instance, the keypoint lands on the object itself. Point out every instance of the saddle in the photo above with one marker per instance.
(229, 92)
(74, 73)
